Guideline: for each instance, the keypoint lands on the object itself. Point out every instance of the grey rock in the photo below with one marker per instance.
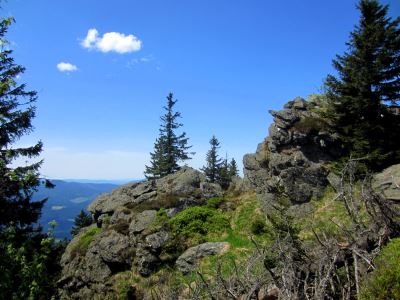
(334, 181)
(109, 202)
(183, 182)
(94, 269)
(299, 103)
(188, 260)
(141, 221)
(121, 214)
(211, 190)
(146, 261)
(112, 247)
(156, 240)
(187, 182)
(290, 159)
(387, 183)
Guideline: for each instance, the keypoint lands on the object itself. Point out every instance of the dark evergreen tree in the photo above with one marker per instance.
(170, 148)
(17, 109)
(368, 81)
(213, 162)
(233, 169)
(224, 178)
(83, 219)
(28, 258)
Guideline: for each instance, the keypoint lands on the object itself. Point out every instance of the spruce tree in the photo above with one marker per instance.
(213, 162)
(17, 110)
(368, 81)
(83, 219)
(224, 177)
(170, 148)
(29, 260)
(233, 169)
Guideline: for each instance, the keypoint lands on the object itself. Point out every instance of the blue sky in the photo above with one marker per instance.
(227, 62)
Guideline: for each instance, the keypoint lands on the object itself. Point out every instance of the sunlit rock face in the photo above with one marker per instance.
(291, 159)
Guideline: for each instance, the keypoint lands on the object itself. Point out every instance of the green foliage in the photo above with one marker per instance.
(215, 202)
(28, 270)
(196, 222)
(213, 161)
(29, 259)
(384, 282)
(169, 148)
(233, 168)
(17, 110)
(216, 169)
(368, 79)
(82, 220)
(258, 226)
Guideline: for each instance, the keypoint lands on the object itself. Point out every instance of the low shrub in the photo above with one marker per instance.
(215, 202)
(196, 222)
(258, 226)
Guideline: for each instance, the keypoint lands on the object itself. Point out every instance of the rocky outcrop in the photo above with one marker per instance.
(188, 260)
(124, 236)
(387, 183)
(291, 159)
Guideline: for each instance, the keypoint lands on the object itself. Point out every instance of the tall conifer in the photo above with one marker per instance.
(213, 161)
(368, 81)
(17, 110)
(29, 259)
(170, 148)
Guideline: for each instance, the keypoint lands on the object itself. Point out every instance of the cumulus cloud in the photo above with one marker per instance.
(66, 67)
(111, 42)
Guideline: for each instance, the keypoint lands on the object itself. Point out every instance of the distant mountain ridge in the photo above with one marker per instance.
(66, 200)
(107, 181)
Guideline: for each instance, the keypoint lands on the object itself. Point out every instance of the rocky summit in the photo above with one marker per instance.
(123, 237)
(291, 159)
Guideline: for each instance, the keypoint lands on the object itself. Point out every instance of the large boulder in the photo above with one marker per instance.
(291, 159)
(187, 262)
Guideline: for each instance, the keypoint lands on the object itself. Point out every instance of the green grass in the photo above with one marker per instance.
(328, 215)
(384, 281)
(84, 241)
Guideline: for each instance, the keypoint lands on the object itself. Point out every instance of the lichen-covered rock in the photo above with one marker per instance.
(113, 247)
(291, 159)
(188, 260)
(141, 221)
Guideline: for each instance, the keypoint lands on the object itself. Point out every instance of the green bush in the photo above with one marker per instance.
(196, 222)
(384, 281)
(215, 202)
(258, 226)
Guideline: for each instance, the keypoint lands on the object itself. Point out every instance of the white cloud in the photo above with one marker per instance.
(66, 67)
(111, 42)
